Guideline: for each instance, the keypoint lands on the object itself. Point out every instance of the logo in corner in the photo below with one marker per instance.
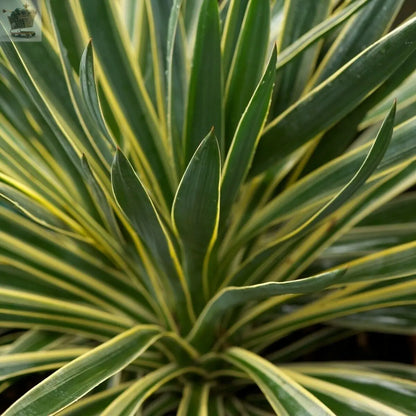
(20, 20)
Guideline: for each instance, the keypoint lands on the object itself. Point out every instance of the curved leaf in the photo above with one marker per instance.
(128, 403)
(398, 393)
(328, 103)
(89, 90)
(205, 85)
(194, 400)
(136, 204)
(248, 63)
(300, 17)
(395, 320)
(317, 32)
(245, 140)
(94, 404)
(81, 375)
(195, 212)
(361, 31)
(203, 332)
(284, 394)
(231, 31)
(16, 364)
(127, 84)
(343, 399)
(175, 84)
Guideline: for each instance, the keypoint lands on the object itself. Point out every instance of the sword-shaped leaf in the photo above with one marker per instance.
(194, 400)
(195, 212)
(12, 365)
(203, 333)
(248, 63)
(284, 394)
(335, 98)
(130, 401)
(138, 207)
(300, 17)
(245, 140)
(204, 108)
(77, 378)
(127, 84)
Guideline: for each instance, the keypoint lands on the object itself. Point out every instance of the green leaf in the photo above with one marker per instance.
(316, 188)
(204, 105)
(136, 204)
(364, 29)
(34, 340)
(194, 400)
(382, 294)
(402, 92)
(25, 303)
(35, 259)
(231, 31)
(337, 139)
(33, 210)
(216, 406)
(101, 200)
(131, 400)
(203, 333)
(158, 23)
(162, 405)
(336, 97)
(71, 37)
(284, 394)
(176, 84)
(94, 404)
(256, 266)
(300, 17)
(393, 391)
(371, 162)
(310, 343)
(89, 90)
(45, 67)
(400, 370)
(16, 364)
(361, 31)
(363, 241)
(63, 148)
(127, 84)
(395, 320)
(396, 212)
(138, 207)
(248, 63)
(77, 378)
(317, 32)
(191, 14)
(198, 193)
(361, 401)
(96, 144)
(245, 140)
(393, 263)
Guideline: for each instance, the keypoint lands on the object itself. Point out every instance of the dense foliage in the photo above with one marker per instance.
(197, 194)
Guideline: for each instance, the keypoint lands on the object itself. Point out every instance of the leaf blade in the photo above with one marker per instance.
(78, 377)
(284, 394)
(130, 401)
(205, 85)
(198, 193)
(247, 64)
(246, 137)
(336, 97)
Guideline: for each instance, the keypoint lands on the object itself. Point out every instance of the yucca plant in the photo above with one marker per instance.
(221, 190)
